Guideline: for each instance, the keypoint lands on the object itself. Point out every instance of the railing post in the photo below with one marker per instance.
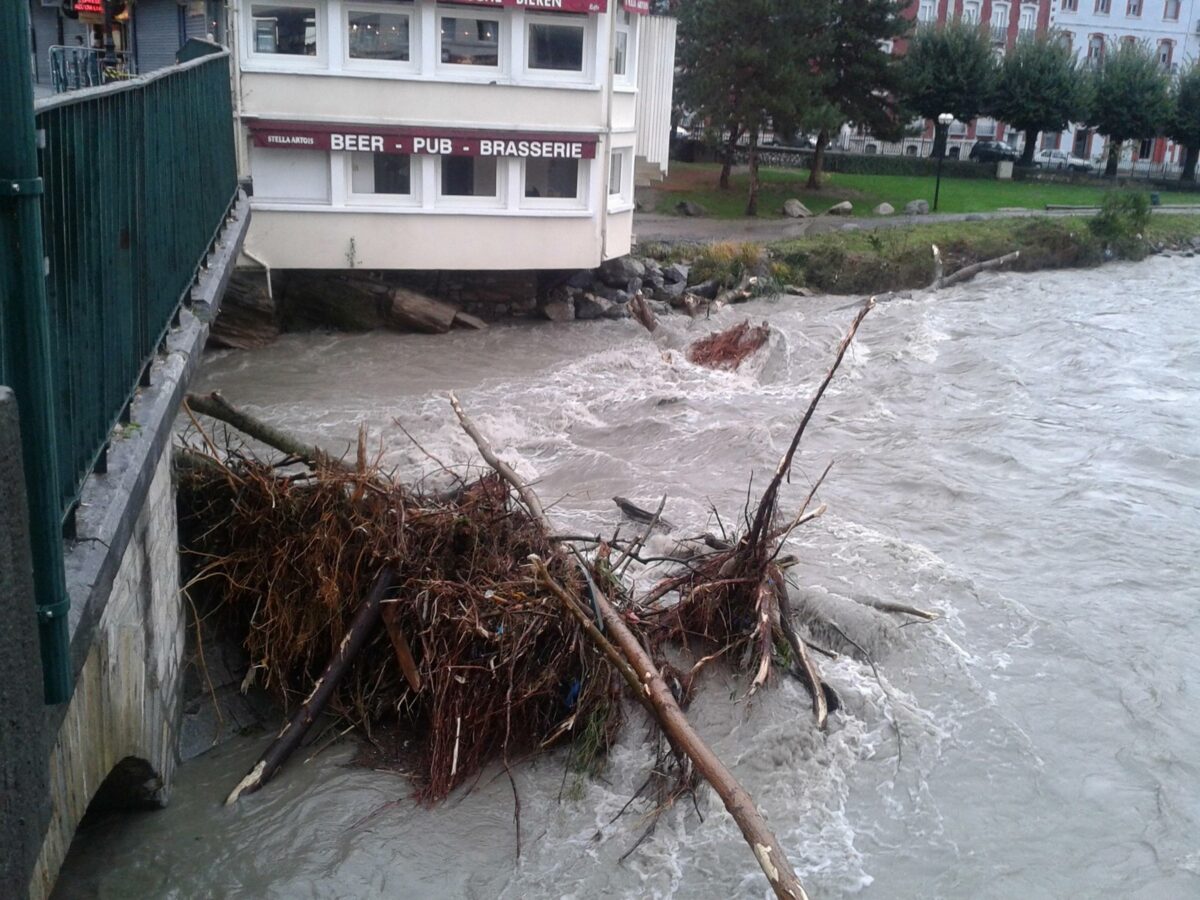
(25, 347)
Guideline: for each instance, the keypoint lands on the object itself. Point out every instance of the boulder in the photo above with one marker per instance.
(249, 317)
(589, 306)
(411, 310)
(916, 208)
(618, 311)
(614, 295)
(706, 289)
(688, 208)
(620, 271)
(884, 209)
(676, 273)
(670, 291)
(581, 279)
(845, 208)
(794, 209)
(560, 310)
(659, 308)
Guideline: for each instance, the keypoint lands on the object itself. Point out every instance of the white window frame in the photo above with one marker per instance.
(1103, 8)
(586, 75)
(256, 159)
(971, 11)
(462, 72)
(449, 201)
(383, 66)
(1001, 15)
(284, 62)
(410, 200)
(622, 201)
(1167, 8)
(626, 24)
(578, 202)
(1133, 8)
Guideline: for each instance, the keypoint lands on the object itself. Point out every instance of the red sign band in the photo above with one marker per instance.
(566, 6)
(422, 141)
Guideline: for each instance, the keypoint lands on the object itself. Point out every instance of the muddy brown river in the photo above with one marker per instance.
(1020, 454)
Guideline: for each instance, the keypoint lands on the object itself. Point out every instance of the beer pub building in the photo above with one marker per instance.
(468, 135)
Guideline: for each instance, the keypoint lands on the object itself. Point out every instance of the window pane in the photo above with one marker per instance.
(614, 173)
(290, 30)
(469, 176)
(378, 36)
(557, 47)
(380, 173)
(552, 178)
(470, 41)
(621, 53)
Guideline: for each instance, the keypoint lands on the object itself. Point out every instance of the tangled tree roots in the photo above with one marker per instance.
(730, 348)
(501, 670)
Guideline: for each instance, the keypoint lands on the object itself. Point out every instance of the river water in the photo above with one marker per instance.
(1019, 454)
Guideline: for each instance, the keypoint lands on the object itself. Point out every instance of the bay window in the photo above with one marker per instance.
(378, 35)
(470, 40)
(555, 45)
(625, 48)
(620, 177)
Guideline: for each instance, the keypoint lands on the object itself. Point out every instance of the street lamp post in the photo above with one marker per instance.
(943, 122)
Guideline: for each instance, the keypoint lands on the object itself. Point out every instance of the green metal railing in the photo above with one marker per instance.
(125, 194)
(139, 177)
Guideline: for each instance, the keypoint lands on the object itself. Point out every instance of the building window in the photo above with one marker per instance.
(1070, 5)
(1000, 16)
(557, 47)
(290, 176)
(1028, 20)
(284, 30)
(378, 35)
(1171, 10)
(380, 173)
(1095, 51)
(616, 174)
(985, 128)
(1133, 8)
(1146, 150)
(970, 12)
(552, 179)
(470, 41)
(624, 42)
(1165, 49)
(1104, 7)
(927, 11)
(469, 176)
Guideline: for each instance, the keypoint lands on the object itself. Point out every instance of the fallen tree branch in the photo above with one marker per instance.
(361, 628)
(966, 273)
(217, 407)
(892, 607)
(650, 688)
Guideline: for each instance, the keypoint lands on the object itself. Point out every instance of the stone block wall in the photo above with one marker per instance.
(123, 719)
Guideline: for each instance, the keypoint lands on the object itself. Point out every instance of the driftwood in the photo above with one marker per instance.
(644, 516)
(966, 273)
(361, 628)
(410, 309)
(466, 320)
(730, 348)
(641, 311)
(902, 608)
(654, 693)
(217, 407)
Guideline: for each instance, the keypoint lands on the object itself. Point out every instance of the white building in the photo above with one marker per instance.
(478, 134)
(1095, 27)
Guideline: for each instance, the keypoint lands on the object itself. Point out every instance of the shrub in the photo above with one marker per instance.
(1123, 215)
(727, 262)
(873, 164)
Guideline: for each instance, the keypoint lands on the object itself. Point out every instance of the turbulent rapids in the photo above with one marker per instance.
(1017, 455)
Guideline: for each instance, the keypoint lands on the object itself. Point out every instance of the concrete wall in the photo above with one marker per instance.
(126, 700)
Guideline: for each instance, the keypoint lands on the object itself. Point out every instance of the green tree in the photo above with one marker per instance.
(1039, 88)
(1183, 122)
(948, 69)
(859, 79)
(745, 65)
(1130, 98)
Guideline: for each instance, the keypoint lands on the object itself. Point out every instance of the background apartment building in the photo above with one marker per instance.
(1094, 27)
(478, 134)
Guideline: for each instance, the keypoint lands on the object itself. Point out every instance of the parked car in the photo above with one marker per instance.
(992, 151)
(1060, 159)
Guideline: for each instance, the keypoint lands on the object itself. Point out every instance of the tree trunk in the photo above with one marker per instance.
(1114, 158)
(1189, 162)
(1031, 136)
(940, 132)
(727, 160)
(361, 628)
(752, 199)
(818, 163)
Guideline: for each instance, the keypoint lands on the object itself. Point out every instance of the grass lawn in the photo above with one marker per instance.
(698, 182)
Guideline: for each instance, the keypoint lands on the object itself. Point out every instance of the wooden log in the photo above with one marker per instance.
(400, 646)
(641, 311)
(217, 407)
(361, 628)
(644, 516)
(415, 311)
(653, 692)
(968, 272)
